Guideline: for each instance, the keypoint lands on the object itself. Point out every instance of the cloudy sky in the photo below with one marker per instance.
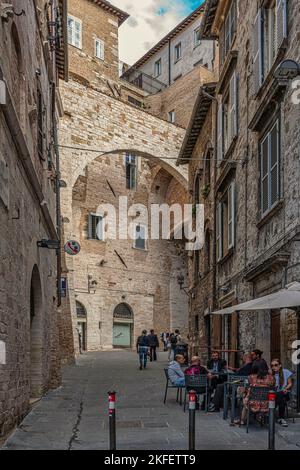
(149, 21)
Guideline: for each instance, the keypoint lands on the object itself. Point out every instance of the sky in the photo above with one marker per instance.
(150, 21)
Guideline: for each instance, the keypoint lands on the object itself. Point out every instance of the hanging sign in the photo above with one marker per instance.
(72, 248)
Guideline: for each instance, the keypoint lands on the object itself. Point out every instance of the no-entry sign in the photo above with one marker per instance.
(72, 248)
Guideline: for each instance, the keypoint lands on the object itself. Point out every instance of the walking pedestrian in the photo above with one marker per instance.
(142, 347)
(153, 343)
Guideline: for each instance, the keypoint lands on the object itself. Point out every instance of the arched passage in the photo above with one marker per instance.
(36, 334)
(122, 326)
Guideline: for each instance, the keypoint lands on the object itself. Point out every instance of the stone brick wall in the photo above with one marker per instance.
(248, 271)
(28, 303)
(97, 23)
(180, 96)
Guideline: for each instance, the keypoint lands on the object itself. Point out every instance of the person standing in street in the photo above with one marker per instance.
(153, 343)
(142, 347)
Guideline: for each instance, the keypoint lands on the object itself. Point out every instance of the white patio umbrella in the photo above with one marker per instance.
(289, 297)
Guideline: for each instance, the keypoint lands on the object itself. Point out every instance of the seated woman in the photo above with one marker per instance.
(283, 383)
(176, 374)
(258, 378)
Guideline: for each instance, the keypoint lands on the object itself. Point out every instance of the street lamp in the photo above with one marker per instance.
(288, 69)
(180, 280)
(50, 244)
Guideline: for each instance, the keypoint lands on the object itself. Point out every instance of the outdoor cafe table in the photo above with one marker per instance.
(233, 383)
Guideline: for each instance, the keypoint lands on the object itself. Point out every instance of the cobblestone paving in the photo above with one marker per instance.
(75, 416)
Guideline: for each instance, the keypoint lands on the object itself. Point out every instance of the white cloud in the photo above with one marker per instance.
(146, 26)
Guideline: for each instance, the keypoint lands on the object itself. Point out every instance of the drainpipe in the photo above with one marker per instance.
(214, 302)
(57, 183)
(298, 365)
(170, 78)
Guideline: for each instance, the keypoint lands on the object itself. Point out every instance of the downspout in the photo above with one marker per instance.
(298, 365)
(170, 78)
(57, 184)
(214, 302)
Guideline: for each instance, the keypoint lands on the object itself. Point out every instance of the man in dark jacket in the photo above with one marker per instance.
(153, 343)
(142, 346)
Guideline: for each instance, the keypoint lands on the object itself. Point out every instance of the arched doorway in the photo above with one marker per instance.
(123, 326)
(81, 326)
(36, 335)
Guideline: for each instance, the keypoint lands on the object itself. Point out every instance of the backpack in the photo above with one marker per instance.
(173, 340)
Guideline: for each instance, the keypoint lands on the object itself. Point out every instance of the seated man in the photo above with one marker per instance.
(283, 384)
(196, 368)
(245, 370)
(176, 374)
(216, 366)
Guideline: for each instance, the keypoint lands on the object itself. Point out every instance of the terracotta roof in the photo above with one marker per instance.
(200, 110)
(178, 29)
(122, 15)
(62, 50)
(210, 10)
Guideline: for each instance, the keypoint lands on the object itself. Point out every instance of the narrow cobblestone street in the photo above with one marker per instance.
(74, 417)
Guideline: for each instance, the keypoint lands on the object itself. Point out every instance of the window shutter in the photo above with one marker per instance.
(264, 155)
(99, 228)
(258, 69)
(219, 231)
(90, 226)
(233, 108)
(231, 215)
(222, 45)
(220, 133)
(274, 164)
(281, 27)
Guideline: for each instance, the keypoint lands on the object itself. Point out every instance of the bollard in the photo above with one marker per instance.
(112, 420)
(272, 406)
(192, 411)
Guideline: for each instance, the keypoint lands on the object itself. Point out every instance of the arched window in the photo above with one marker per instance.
(80, 310)
(123, 311)
(207, 175)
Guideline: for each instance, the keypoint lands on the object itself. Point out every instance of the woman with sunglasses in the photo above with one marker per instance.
(284, 383)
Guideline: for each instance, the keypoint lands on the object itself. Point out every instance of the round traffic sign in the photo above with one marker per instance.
(72, 248)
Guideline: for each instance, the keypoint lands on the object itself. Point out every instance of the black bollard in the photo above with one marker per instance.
(112, 420)
(272, 406)
(192, 411)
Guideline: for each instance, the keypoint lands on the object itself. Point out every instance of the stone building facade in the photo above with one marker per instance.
(32, 58)
(255, 190)
(114, 289)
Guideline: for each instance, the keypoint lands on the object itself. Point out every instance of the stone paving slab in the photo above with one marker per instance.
(75, 416)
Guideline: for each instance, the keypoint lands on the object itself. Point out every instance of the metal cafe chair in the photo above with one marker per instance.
(170, 385)
(230, 389)
(260, 394)
(199, 383)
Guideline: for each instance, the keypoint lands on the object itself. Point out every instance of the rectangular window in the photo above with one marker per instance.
(228, 31)
(269, 169)
(226, 215)
(171, 116)
(269, 31)
(197, 37)
(135, 101)
(95, 227)
(178, 52)
(99, 49)
(74, 31)
(157, 68)
(140, 237)
(197, 324)
(228, 117)
(131, 171)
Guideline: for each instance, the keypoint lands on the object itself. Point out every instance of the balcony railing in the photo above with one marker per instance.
(143, 81)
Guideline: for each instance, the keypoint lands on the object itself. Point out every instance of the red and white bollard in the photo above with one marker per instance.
(112, 420)
(272, 407)
(192, 412)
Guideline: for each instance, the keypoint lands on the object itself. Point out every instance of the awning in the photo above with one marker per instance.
(289, 297)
